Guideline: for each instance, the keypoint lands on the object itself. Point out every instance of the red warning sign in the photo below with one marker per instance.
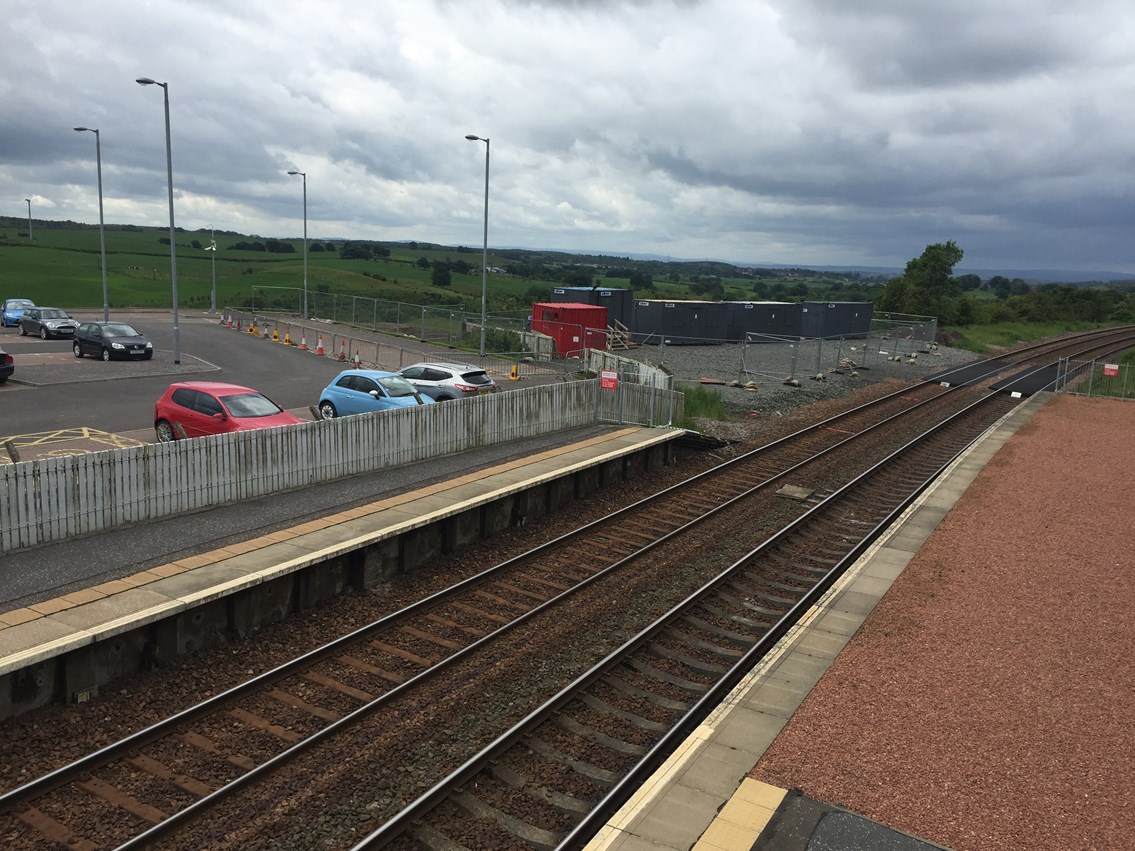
(1111, 369)
(609, 379)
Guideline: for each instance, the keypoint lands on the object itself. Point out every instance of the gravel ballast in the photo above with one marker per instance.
(986, 703)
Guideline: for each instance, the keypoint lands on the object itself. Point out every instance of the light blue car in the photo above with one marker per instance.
(364, 391)
(12, 310)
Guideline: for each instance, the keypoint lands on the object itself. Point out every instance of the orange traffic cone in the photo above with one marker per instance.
(319, 347)
(303, 344)
(358, 361)
(342, 352)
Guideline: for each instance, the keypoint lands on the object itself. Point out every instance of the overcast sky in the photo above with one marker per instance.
(811, 132)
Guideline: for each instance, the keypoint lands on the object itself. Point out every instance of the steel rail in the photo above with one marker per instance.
(418, 809)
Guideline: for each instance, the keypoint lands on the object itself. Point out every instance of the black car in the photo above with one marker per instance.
(111, 340)
(47, 322)
(7, 366)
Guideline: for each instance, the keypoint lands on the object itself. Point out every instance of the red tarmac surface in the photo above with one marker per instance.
(987, 703)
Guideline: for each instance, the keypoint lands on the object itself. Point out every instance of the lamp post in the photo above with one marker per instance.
(213, 248)
(29, 200)
(485, 248)
(102, 234)
(146, 81)
(303, 174)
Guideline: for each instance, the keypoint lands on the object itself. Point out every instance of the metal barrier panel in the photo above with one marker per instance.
(1100, 378)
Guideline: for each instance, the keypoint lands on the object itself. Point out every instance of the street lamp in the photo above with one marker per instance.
(146, 81)
(303, 174)
(102, 234)
(213, 248)
(485, 249)
(29, 200)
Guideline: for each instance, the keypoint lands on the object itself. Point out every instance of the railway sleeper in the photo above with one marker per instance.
(744, 639)
(659, 700)
(736, 603)
(793, 571)
(663, 677)
(567, 804)
(708, 668)
(754, 592)
(607, 709)
(725, 652)
(602, 776)
(535, 836)
(577, 728)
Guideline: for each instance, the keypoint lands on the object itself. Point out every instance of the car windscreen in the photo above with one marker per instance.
(396, 386)
(117, 329)
(18, 304)
(250, 405)
(477, 377)
(48, 313)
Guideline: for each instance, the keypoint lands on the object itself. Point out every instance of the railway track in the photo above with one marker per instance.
(131, 793)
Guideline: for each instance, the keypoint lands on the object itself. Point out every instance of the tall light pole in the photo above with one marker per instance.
(29, 200)
(485, 249)
(146, 81)
(102, 234)
(303, 174)
(213, 248)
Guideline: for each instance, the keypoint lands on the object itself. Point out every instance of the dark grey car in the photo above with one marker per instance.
(111, 341)
(47, 322)
(445, 381)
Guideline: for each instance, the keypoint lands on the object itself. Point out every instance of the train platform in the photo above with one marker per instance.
(703, 798)
(146, 590)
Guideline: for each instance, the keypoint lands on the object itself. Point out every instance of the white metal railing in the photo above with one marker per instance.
(1107, 378)
(51, 499)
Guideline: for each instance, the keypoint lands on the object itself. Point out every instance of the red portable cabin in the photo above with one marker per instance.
(573, 326)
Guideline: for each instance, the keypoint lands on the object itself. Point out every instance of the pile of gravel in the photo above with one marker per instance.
(752, 378)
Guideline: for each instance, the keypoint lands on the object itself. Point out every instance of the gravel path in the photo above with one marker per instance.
(986, 703)
(768, 365)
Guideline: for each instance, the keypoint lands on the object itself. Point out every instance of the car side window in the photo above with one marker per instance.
(207, 405)
(345, 382)
(184, 396)
(413, 372)
(365, 385)
(434, 374)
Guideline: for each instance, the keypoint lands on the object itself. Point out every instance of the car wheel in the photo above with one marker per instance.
(23, 331)
(327, 411)
(43, 333)
(78, 350)
(106, 354)
(164, 431)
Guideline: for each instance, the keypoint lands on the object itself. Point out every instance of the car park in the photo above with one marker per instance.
(200, 408)
(445, 381)
(47, 322)
(364, 391)
(111, 341)
(7, 366)
(12, 309)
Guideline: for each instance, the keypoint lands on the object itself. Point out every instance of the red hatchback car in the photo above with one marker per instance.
(198, 408)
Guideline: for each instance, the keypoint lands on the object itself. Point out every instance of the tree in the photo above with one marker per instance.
(641, 280)
(422, 263)
(440, 276)
(931, 281)
(355, 251)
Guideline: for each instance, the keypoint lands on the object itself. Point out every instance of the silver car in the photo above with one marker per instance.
(47, 322)
(445, 381)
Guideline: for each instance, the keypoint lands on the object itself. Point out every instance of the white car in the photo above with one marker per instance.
(445, 381)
